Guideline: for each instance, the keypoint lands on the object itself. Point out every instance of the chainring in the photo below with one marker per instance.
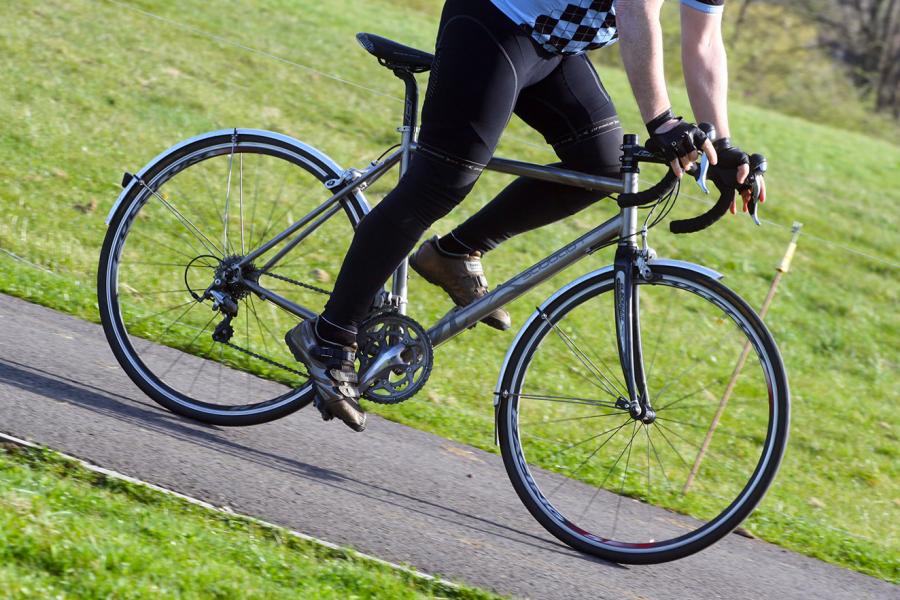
(381, 333)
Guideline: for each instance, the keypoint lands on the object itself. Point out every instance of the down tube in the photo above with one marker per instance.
(459, 320)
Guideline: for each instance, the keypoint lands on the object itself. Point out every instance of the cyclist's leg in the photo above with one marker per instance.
(576, 116)
(482, 62)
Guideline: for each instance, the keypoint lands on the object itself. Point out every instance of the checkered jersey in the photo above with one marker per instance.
(565, 27)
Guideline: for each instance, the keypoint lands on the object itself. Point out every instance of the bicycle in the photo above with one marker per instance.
(592, 459)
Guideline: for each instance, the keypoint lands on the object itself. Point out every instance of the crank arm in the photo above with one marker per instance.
(384, 362)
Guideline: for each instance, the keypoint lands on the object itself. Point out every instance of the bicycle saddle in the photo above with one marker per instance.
(393, 55)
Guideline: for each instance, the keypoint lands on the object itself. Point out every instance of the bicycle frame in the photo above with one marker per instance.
(622, 227)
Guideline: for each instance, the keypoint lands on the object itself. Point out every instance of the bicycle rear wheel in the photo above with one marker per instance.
(193, 211)
(618, 488)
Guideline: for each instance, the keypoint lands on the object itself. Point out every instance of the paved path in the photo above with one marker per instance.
(402, 495)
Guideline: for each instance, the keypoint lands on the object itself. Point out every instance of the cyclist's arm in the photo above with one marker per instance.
(705, 65)
(641, 42)
(640, 36)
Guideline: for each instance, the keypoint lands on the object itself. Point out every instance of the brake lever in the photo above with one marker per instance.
(698, 172)
(701, 176)
(753, 205)
(758, 168)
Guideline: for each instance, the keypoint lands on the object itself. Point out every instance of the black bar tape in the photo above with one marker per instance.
(650, 195)
(706, 219)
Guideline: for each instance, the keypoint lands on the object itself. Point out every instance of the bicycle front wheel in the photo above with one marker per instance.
(189, 215)
(619, 488)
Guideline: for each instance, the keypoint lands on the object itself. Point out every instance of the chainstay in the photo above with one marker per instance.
(266, 359)
(298, 283)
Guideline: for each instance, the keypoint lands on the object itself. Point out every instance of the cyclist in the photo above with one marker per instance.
(492, 60)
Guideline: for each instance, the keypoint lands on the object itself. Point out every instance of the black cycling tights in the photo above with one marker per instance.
(485, 70)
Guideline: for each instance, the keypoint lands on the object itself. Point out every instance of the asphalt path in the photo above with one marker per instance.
(393, 492)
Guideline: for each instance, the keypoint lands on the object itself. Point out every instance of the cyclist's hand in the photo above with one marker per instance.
(680, 143)
(734, 169)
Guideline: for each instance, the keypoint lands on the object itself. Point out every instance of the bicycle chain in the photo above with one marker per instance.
(265, 359)
(299, 283)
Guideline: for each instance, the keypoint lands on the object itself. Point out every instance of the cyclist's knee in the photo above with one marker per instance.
(598, 154)
(429, 190)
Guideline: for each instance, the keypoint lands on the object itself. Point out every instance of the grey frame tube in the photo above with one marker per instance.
(556, 175)
(372, 174)
(500, 165)
(459, 320)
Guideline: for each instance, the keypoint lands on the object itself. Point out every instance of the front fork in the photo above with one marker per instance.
(628, 333)
(627, 296)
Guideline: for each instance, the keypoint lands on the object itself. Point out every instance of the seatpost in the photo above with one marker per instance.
(410, 116)
(407, 139)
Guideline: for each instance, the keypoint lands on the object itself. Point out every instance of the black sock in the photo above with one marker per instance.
(449, 245)
(333, 334)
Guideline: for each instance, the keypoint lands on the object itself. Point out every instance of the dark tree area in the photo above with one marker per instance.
(865, 36)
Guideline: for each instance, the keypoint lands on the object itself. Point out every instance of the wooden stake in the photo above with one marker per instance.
(780, 270)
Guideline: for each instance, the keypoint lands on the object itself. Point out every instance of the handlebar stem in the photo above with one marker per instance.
(629, 171)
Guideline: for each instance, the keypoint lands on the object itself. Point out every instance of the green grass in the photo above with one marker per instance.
(68, 532)
(91, 90)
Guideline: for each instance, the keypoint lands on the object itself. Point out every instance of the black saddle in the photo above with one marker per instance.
(393, 55)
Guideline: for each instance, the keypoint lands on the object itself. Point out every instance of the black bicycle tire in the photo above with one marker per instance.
(116, 333)
(602, 282)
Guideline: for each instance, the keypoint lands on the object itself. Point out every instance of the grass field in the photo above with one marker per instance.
(91, 89)
(68, 532)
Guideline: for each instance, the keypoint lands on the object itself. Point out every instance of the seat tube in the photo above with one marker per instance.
(407, 139)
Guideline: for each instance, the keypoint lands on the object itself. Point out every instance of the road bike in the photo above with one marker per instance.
(623, 425)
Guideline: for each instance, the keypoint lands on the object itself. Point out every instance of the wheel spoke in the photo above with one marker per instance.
(192, 302)
(213, 199)
(241, 198)
(602, 381)
(225, 244)
(573, 471)
(181, 354)
(202, 366)
(610, 472)
(153, 240)
(624, 477)
(662, 468)
(659, 337)
(255, 204)
(585, 440)
(569, 399)
(140, 293)
(688, 395)
(671, 445)
(695, 446)
(614, 414)
(188, 224)
(275, 202)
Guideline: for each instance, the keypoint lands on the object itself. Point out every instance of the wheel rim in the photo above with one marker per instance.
(615, 484)
(172, 241)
